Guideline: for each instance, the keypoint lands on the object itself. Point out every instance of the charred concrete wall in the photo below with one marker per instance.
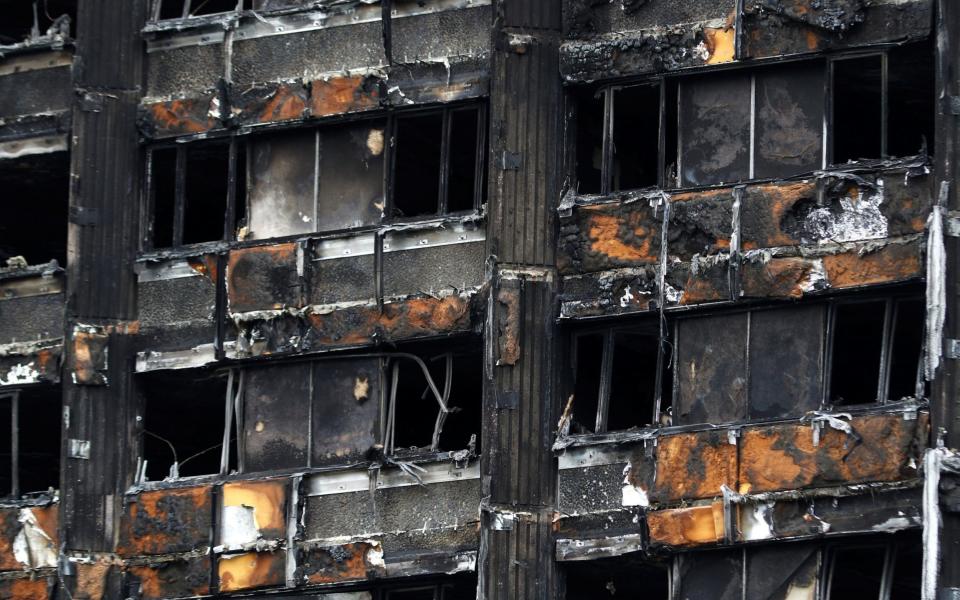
(478, 299)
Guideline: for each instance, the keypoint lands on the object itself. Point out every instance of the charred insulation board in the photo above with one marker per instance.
(346, 408)
(276, 417)
(715, 129)
(711, 372)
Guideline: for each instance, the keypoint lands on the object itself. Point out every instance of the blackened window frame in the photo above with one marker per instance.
(156, 9)
(13, 395)
(238, 151)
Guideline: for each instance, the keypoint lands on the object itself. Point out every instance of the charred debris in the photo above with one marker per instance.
(495, 299)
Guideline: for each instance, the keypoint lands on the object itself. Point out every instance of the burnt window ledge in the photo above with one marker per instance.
(908, 408)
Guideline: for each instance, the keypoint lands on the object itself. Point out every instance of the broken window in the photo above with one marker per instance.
(618, 378)
(437, 162)
(887, 570)
(177, 9)
(435, 397)
(629, 576)
(883, 104)
(30, 461)
(875, 351)
(26, 21)
(194, 191)
(188, 423)
(35, 206)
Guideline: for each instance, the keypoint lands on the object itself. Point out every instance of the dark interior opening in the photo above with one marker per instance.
(587, 372)
(39, 425)
(417, 407)
(589, 134)
(240, 205)
(856, 573)
(163, 178)
(671, 124)
(911, 99)
(210, 7)
(36, 192)
(621, 577)
(206, 192)
(456, 587)
(416, 182)
(463, 159)
(633, 380)
(857, 347)
(906, 347)
(6, 468)
(636, 137)
(183, 420)
(857, 109)
(17, 21)
(907, 569)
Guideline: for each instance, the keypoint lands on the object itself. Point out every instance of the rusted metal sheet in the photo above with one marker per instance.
(167, 521)
(683, 527)
(890, 263)
(647, 51)
(606, 236)
(181, 116)
(342, 95)
(252, 570)
(778, 27)
(90, 346)
(36, 365)
(790, 457)
(508, 330)
(177, 578)
(26, 588)
(355, 561)
(687, 466)
(700, 223)
(91, 578)
(263, 278)
(703, 279)
(776, 277)
(428, 84)
(268, 102)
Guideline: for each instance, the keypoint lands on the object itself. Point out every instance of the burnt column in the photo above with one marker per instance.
(944, 410)
(520, 406)
(99, 444)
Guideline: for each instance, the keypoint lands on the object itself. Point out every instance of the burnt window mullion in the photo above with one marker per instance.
(606, 376)
(15, 444)
(606, 169)
(480, 159)
(889, 321)
(443, 199)
(389, 172)
(662, 159)
(180, 196)
(148, 219)
(186, 9)
(229, 217)
(884, 105)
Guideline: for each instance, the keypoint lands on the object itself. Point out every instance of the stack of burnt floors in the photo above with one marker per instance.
(444, 299)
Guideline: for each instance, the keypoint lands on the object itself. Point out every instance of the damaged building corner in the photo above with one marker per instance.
(479, 299)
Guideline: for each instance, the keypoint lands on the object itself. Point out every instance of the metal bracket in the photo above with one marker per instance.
(508, 400)
(79, 449)
(952, 105)
(951, 348)
(510, 161)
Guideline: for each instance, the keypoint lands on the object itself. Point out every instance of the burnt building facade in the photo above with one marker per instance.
(447, 299)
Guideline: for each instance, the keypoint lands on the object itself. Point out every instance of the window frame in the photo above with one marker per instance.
(156, 9)
(238, 150)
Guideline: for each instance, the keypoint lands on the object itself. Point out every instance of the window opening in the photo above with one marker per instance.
(618, 375)
(857, 348)
(463, 189)
(621, 577)
(194, 190)
(25, 21)
(434, 398)
(177, 9)
(857, 119)
(36, 199)
(857, 572)
(636, 128)
(30, 461)
(911, 100)
(589, 143)
(905, 349)
(416, 190)
(189, 422)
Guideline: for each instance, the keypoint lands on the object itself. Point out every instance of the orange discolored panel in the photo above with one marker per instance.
(181, 116)
(263, 278)
(720, 43)
(25, 589)
(788, 277)
(891, 263)
(610, 235)
(784, 457)
(267, 500)
(692, 466)
(167, 521)
(340, 95)
(252, 570)
(268, 103)
(679, 527)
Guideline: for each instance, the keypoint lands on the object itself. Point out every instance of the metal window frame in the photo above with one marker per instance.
(14, 398)
(830, 553)
(829, 114)
(185, 13)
